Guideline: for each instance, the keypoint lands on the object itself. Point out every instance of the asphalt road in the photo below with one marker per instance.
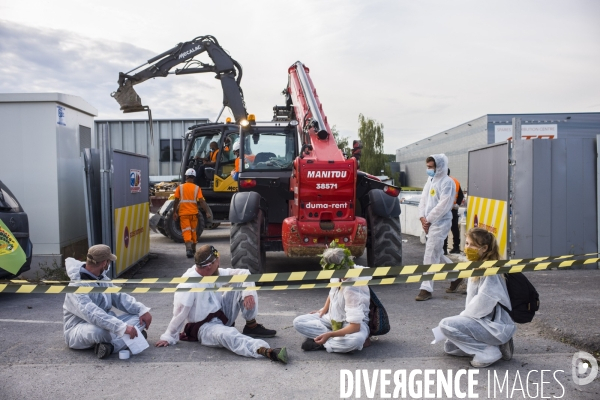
(36, 364)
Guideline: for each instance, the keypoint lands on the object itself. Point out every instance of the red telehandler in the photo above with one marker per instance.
(297, 191)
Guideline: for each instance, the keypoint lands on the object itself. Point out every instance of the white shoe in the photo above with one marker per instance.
(483, 364)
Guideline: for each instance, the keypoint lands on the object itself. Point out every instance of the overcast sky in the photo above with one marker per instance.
(417, 67)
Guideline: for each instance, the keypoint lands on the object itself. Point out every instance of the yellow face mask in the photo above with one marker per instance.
(472, 253)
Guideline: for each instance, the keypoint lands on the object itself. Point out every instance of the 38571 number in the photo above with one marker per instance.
(327, 186)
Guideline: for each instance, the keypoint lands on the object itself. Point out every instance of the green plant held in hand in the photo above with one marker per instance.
(337, 256)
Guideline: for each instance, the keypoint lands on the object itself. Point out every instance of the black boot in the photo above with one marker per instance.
(188, 250)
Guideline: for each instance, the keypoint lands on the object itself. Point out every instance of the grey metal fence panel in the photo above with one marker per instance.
(589, 207)
(559, 197)
(575, 219)
(541, 226)
(522, 221)
(555, 205)
(488, 172)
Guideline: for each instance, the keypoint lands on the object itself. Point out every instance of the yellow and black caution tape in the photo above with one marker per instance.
(537, 266)
(328, 274)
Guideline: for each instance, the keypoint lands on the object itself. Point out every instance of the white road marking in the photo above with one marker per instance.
(30, 321)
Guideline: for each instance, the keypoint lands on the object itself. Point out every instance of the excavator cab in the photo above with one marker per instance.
(210, 153)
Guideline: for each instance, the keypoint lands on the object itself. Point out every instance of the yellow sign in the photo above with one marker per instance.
(12, 256)
(132, 235)
(490, 215)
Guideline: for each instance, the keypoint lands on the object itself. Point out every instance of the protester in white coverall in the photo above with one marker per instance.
(484, 329)
(88, 319)
(435, 212)
(341, 325)
(208, 317)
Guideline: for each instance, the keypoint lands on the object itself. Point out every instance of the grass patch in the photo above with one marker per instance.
(52, 273)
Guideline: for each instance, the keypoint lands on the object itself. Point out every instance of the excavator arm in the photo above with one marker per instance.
(227, 70)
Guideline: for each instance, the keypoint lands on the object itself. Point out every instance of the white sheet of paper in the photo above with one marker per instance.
(136, 345)
(438, 335)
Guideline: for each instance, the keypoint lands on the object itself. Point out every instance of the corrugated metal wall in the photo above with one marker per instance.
(134, 136)
(457, 141)
(454, 142)
(554, 205)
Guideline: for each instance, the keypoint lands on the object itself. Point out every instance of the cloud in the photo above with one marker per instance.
(48, 60)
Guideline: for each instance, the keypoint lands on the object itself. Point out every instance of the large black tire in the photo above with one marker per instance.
(173, 228)
(246, 246)
(384, 241)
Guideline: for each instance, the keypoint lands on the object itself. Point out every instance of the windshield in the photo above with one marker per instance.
(269, 150)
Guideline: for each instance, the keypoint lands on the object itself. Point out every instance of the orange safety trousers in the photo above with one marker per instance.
(188, 224)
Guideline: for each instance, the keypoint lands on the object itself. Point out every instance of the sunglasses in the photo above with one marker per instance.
(209, 260)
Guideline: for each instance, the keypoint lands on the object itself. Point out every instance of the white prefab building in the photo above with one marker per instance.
(42, 136)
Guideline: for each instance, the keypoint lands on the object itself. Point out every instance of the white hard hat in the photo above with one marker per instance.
(236, 146)
(190, 172)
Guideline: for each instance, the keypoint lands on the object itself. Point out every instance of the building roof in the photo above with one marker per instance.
(68, 100)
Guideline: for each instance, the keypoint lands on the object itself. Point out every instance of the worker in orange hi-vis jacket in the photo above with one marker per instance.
(188, 197)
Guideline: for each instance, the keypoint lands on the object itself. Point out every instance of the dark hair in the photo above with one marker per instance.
(431, 159)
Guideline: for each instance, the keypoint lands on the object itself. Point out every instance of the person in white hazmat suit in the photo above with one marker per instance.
(208, 317)
(484, 329)
(435, 213)
(88, 319)
(342, 325)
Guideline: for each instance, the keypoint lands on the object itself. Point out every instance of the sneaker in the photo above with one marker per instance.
(259, 331)
(454, 285)
(455, 251)
(423, 295)
(483, 364)
(103, 350)
(507, 350)
(189, 253)
(310, 345)
(278, 355)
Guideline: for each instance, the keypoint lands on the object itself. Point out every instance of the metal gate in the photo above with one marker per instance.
(537, 196)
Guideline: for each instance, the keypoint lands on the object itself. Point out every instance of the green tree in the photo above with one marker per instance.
(341, 141)
(370, 133)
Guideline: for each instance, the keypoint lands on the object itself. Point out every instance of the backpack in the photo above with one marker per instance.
(379, 323)
(524, 299)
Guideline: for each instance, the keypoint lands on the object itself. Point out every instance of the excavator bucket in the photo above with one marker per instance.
(127, 98)
(130, 102)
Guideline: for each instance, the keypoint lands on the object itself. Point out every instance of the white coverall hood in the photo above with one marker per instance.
(441, 165)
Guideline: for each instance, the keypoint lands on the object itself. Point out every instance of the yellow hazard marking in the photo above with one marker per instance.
(297, 276)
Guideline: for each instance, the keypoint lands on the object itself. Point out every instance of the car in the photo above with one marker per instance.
(15, 218)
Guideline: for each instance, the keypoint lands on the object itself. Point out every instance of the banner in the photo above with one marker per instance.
(12, 256)
(132, 235)
(490, 215)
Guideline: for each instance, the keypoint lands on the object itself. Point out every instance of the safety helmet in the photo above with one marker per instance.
(236, 146)
(190, 172)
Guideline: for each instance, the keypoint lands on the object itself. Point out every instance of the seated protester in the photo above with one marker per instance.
(88, 319)
(210, 315)
(484, 329)
(342, 325)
